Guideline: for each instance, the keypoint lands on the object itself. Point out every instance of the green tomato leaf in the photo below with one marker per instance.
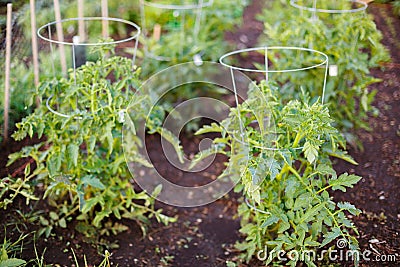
(54, 164)
(157, 190)
(92, 181)
(110, 139)
(213, 128)
(91, 143)
(349, 207)
(99, 217)
(303, 201)
(62, 223)
(53, 216)
(330, 236)
(311, 213)
(310, 151)
(344, 180)
(90, 203)
(270, 221)
(13, 262)
(129, 123)
(73, 153)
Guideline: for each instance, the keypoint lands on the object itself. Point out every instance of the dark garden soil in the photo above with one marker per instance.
(205, 236)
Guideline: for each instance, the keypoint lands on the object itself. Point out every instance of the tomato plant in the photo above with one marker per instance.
(81, 166)
(22, 87)
(208, 44)
(288, 175)
(351, 41)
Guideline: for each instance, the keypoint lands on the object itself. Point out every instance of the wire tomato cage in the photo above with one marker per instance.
(318, 62)
(172, 22)
(74, 41)
(334, 7)
(276, 64)
(330, 7)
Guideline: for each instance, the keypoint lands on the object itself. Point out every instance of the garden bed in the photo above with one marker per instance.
(205, 236)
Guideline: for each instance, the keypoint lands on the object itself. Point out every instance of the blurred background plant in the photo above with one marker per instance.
(352, 43)
(395, 4)
(179, 42)
(222, 16)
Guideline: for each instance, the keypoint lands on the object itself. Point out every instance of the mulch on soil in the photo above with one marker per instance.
(204, 236)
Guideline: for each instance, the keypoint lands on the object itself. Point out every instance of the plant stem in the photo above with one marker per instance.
(286, 168)
(296, 142)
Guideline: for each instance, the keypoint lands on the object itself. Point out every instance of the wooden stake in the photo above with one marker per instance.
(157, 32)
(7, 74)
(104, 14)
(60, 36)
(81, 25)
(35, 50)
